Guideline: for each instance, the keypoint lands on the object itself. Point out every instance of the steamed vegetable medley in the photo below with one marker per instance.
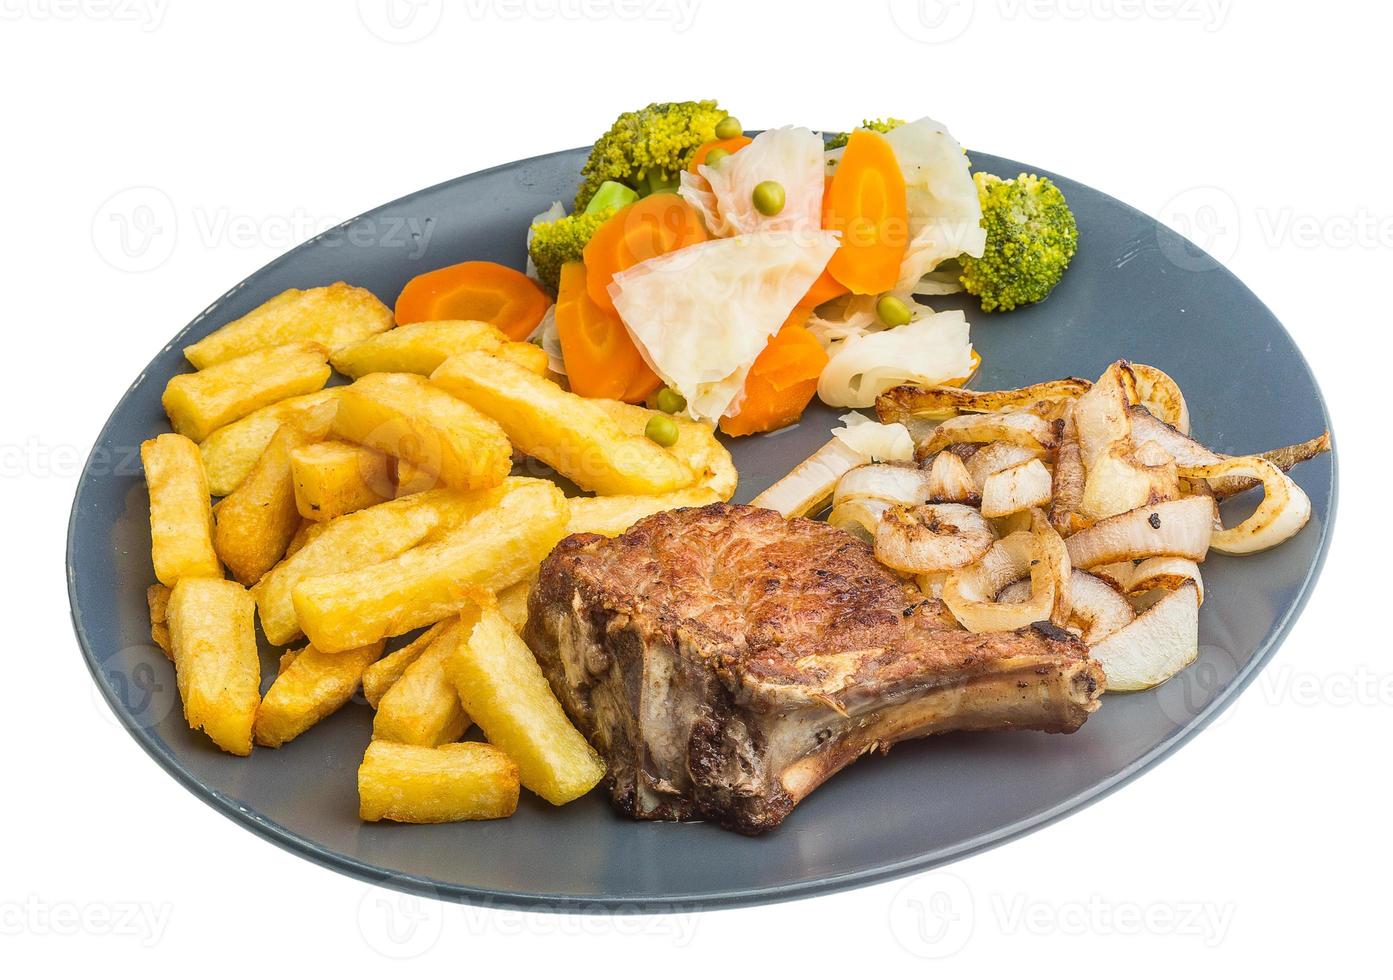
(733, 278)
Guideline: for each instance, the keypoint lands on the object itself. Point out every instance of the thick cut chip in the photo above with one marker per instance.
(181, 521)
(335, 478)
(310, 687)
(157, 598)
(213, 632)
(416, 348)
(406, 416)
(612, 516)
(696, 445)
(254, 525)
(330, 316)
(422, 707)
(379, 678)
(434, 580)
(512, 601)
(573, 435)
(411, 784)
(230, 453)
(200, 403)
(505, 692)
(358, 540)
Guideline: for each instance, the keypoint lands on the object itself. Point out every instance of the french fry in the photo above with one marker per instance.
(416, 348)
(696, 445)
(282, 665)
(571, 434)
(506, 694)
(335, 478)
(253, 525)
(358, 540)
(422, 707)
(308, 531)
(230, 453)
(613, 516)
(311, 687)
(406, 416)
(330, 316)
(512, 601)
(379, 678)
(181, 521)
(157, 598)
(527, 356)
(200, 403)
(411, 784)
(431, 581)
(409, 478)
(213, 632)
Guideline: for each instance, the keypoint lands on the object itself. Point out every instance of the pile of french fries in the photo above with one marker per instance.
(355, 514)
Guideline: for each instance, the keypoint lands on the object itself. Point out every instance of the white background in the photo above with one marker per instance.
(1260, 129)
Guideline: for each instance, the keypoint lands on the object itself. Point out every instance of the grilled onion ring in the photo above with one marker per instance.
(1284, 510)
(932, 537)
(970, 592)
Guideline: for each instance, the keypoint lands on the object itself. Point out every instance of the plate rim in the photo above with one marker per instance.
(518, 900)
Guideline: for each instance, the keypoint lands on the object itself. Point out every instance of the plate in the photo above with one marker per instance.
(1135, 290)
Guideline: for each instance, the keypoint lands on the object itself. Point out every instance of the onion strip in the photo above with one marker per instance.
(1284, 510)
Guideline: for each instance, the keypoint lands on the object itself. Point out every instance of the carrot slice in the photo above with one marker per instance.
(825, 287)
(732, 145)
(475, 291)
(866, 203)
(601, 359)
(651, 226)
(782, 381)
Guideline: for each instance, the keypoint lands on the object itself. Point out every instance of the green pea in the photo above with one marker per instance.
(769, 197)
(716, 156)
(661, 430)
(729, 128)
(892, 311)
(670, 401)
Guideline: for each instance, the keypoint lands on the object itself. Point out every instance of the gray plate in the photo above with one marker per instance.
(1135, 290)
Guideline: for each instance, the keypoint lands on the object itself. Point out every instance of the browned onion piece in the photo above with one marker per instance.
(1161, 396)
(1163, 573)
(970, 592)
(1127, 476)
(1096, 608)
(1017, 428)
(942, 402)
(1015, 489)
(950, 481)
(1100, 415)
(931, 537)
(1284, 510)
(995, 457)
(1176, 528)
(897, 484)
(1155, 646)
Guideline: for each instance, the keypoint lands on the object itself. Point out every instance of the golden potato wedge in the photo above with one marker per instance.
(416, 348)
(506, 694)
(409, 479)
(230, 453)
(282, 665)
(422, 707)
(411, 784)
(307, 532)
(571, 434)
(359, 540)
(213, 632)
(612, 516)
(157, 598)
(527, 356)
(330, 316)
(512, 601)
(379, 678)
(406, 416)
(253, 525)
(310, 687)
(433, 580)
(181, 520)
(200, 403)
(335, 478)
(697, 445)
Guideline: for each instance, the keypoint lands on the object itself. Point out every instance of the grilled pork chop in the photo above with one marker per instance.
(726, 661)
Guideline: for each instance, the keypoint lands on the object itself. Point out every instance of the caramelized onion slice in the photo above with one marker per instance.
(1101, 415)
(1163, 573)
(995, 457)
(1284, 510)
(1096, 610)
(940, 402)
(970, 592)
(1016, 488)
(1017, 428)
(931, 537)
(950, 481)
(884, 481)
(1155, 646)
(1161, 396)
(1174, 528)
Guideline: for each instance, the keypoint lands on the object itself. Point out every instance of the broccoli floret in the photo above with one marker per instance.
(647, 149)
(554, 243)
(1031, 236)
(874, 125)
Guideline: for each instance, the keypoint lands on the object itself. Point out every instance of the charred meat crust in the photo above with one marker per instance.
(726, 661)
